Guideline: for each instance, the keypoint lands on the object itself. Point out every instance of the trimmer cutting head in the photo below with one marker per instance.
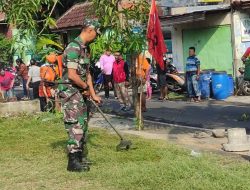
(124, 145)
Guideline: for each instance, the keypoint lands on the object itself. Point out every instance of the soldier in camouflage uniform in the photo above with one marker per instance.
(77, 85)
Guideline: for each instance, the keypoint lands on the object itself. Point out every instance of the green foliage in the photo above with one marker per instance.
(118, 25)
(5, 48)
(26, 15)
(32, 18)
(48, 43)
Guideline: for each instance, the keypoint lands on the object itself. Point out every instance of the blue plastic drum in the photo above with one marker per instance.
(220, 85)
(231, 85)
(205, 79)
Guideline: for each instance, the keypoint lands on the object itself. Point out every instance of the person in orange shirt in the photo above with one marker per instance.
(142, 70)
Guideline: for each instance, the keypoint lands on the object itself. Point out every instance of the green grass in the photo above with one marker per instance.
(32, 156)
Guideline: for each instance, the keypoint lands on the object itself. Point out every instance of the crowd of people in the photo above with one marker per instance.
(116, 72)
(27, 77)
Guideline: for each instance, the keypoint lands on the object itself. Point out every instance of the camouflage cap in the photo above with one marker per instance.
(93, 23)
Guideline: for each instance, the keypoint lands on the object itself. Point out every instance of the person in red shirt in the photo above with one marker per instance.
(120, 74)
(6, 83)
(246, 55)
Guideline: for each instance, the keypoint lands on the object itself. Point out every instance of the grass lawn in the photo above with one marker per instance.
(32, 156)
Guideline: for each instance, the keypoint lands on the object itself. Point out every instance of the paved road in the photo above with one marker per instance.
(211, 114)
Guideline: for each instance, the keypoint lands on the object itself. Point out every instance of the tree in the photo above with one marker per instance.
(119, 24)
(5, 46)
(32, 18)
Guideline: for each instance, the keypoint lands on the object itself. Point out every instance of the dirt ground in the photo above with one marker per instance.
(195, 140)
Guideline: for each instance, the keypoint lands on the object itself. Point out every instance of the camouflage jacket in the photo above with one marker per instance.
(76, 57)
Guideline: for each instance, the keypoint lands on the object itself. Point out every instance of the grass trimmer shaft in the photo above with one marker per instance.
(124, 144)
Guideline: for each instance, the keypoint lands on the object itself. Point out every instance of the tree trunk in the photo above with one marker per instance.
(136, 100)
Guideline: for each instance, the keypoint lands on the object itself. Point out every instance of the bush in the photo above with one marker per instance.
(5, 46)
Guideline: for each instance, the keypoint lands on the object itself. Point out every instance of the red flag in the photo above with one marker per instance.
(156, 44)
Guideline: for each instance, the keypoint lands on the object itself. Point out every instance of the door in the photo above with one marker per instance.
(213, 47)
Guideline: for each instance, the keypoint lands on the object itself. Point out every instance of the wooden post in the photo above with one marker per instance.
(136, 100)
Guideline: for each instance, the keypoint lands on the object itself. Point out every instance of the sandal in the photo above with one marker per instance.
(166, 98)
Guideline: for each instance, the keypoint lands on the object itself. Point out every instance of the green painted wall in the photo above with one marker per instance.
(213, 47)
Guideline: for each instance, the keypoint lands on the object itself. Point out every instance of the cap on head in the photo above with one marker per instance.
(92, 23)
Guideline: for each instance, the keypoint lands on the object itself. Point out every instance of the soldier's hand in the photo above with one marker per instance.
(97, 99)
(86, 93)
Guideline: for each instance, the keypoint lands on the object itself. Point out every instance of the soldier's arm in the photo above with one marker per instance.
(91, 89)
(76, 79)
(90, 84)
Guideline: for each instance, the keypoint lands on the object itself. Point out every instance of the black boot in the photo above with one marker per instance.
(83, 159)
(74, 163)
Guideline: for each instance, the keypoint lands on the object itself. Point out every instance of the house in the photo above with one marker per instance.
(241, 26)
(5, 29)
(220, 31)
(209, 28)
(70, 23)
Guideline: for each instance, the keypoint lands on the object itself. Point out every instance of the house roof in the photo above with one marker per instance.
(74, 17)
(2, 16)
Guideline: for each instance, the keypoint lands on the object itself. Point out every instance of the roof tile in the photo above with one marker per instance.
(75, 15)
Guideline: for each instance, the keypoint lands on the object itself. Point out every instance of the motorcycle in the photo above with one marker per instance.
(98, 80)
(243, 85)
(175, 80)
(99, 83)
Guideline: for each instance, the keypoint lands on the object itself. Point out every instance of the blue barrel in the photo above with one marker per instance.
(211, 71)
(205, 78)
(220, 85)
(231, 85)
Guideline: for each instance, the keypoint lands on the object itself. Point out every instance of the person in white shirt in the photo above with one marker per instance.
(34, 77)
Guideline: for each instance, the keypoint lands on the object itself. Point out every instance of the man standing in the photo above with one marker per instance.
(106, 62)
(74, 95)
(193, 75)
(23, 72)
(162, 80)
(34, 77)
(121, 81)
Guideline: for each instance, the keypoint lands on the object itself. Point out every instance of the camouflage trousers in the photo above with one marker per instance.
(75, 119)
